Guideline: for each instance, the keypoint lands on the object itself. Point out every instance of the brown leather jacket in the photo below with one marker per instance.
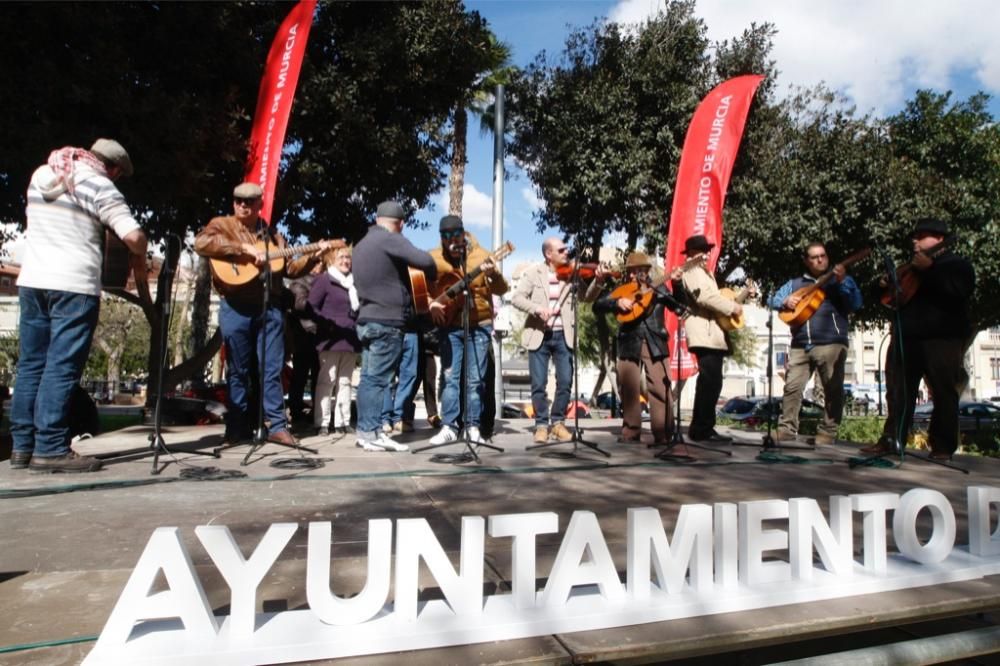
(223, 238)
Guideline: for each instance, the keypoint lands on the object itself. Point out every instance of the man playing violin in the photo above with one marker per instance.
(929, 337)
(642, 348)
(244, 323)
(706, 339)
(819, 345)
(549, 332)
(459, 255)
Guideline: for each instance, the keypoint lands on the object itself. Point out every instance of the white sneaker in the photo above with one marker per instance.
(387, 444)
(474, 436)
(368, 446)
(445, 435)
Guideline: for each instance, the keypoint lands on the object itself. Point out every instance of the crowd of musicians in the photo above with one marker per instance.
(339, 302)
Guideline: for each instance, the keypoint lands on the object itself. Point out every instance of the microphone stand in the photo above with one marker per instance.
(164, 289)
(471, 451)
(901, 398)
(578, 438)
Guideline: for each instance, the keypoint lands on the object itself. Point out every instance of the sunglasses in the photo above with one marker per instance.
(562, 250)
(245, 202)
(453, 233)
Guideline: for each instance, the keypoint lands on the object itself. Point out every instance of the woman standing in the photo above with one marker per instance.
(334, 302)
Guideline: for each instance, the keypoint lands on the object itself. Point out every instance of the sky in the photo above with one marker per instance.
(876, 52)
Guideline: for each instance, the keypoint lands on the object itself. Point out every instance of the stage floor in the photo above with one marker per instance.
(69, 542)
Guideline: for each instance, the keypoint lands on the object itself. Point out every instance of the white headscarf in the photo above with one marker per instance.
(347, 282)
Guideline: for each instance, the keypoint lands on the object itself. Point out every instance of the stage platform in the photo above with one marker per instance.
(69, 542)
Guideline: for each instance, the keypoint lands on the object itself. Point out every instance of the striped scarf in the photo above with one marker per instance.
(61, 162)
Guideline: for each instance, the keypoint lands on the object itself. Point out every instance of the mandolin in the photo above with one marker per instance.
(909, 278)
(812, 296)
(448, 287)
(236, 273)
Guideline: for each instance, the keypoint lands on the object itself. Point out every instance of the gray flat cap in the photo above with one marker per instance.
(112, 151)
(248, 191)
(390, 209)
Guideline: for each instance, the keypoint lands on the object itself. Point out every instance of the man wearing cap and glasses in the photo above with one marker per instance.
(244, 326)
(819, 345)
(72, 200)
(456, 245)
(381, 260)
(934, 329)
(549, 333)
(706, 339)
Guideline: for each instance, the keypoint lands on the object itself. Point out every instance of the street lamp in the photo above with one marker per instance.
(881, 378)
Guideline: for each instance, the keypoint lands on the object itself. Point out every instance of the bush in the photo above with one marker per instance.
(861, 429)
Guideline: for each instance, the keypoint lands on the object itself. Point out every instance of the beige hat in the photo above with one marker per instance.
(248, 191)
(637, 260)
(112, 151)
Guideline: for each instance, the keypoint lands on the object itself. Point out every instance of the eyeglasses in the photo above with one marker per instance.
(561, 250)
(453, 233)
(241, 201)
(816, 257)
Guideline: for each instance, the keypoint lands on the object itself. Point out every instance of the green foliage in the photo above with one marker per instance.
(743, 345)
(861, 429)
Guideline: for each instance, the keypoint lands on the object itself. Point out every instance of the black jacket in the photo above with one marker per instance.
(940, 306)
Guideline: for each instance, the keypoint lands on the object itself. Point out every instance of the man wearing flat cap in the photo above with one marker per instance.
(382, 260)
(930, 334)
(642, 349)
(458, 256)
(241, 238)
(72, 204)
(706, 339)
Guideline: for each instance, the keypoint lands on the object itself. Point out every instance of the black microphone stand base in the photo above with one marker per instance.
(159, 447)
(259, 440)
(471, 450)
(577, 441)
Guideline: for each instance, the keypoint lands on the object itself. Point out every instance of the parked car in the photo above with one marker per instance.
(755, 410)
(607, 399)
(972, 416)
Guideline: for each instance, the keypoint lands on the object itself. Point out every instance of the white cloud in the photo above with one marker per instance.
(477, 207)
(875, 52)
(535, 203)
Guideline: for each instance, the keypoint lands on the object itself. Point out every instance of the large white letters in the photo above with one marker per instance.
(363, 607)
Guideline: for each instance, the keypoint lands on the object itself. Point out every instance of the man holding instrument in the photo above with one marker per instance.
(819, 345)
(381, 262)
(460, 257)
(544, 293)
(237, 238)
(706, 339)
(642, 348)
(930, 334)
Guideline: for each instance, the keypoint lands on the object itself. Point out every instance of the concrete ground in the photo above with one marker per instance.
(69, 542)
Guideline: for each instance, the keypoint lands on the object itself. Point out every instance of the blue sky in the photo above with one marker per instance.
(877, 52)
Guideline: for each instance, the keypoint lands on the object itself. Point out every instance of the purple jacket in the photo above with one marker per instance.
(331, 308)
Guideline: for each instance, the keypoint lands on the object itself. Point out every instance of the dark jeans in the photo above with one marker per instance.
(553, 347)
(247, 334)
(56, 330)
(305, 367)
(381, 350)
(398, 400)
(707, 391)
(940, 364)
(453, 353)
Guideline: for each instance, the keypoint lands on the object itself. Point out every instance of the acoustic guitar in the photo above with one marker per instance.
(812, 295)
(909, 278)
(236, 273)
(733, 322)
(447, 289)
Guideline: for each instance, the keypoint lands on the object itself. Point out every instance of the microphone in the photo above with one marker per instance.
(453, 247)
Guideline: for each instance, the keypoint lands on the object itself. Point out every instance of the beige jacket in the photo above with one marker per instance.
(532, 294)
(706, 304)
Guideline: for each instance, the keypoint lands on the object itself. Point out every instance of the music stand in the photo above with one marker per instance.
(471, 452)
(260, 434)
(578, 439)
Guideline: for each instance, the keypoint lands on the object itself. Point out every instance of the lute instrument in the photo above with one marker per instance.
(812, 296)
(236, 273)
(908, 278)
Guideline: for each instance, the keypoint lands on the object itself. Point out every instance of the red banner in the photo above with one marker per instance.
(710, 148)
(274, 101)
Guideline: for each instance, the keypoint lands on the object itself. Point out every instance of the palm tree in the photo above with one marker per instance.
(479, 101)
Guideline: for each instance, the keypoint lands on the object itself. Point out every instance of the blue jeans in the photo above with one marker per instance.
(56, 330)
(244, 335)
(398, 403)
(381, 351)
(452, 357)
(554, 347)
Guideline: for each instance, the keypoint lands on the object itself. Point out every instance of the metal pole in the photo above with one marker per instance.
(498, 175)
(881, 377)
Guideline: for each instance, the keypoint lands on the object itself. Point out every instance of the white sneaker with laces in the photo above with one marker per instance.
(386, 443)
(445, 435)
(474, 435)
(367, 445)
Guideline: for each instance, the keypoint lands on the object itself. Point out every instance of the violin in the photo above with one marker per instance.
(584, 271)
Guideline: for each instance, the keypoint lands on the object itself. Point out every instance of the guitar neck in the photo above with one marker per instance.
(454, 290)
(291, 251)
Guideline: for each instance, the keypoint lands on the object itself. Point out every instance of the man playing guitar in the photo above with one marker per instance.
(819, 345)
(458, 256)
(642, 348)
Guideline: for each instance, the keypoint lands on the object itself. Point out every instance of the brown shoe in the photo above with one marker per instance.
(71, 463)
(784, 436)
(822, 439)
(877, 450)
(541, 435)
(20, 459)
(282, 437)
(560, 432)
